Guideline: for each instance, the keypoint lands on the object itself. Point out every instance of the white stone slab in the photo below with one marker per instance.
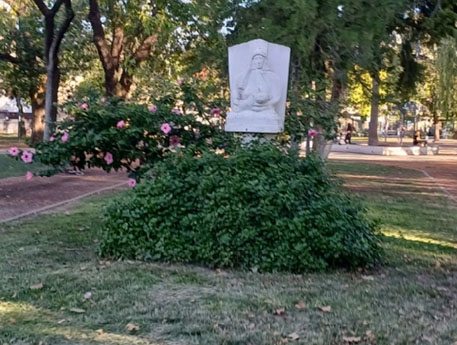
(259, 73)
(388, 151)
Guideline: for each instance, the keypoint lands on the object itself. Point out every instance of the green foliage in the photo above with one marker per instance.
(259, 208)
(446, 83)
(89, 135)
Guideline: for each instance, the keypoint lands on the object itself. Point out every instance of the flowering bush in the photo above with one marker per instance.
(256, 208)
(114, 135)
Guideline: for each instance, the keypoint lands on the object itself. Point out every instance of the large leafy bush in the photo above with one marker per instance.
(259, 208)
(112, 134)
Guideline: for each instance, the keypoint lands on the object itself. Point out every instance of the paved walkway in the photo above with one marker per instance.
(20, 198)
(442, 169)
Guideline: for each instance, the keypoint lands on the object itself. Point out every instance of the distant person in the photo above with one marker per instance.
(348, 134)
(401, 135)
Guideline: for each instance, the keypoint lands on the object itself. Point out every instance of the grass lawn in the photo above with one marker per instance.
(10, 167)
(412, 299)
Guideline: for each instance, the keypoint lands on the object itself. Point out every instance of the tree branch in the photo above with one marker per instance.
(69, 15)
(9, 58)
(118, 44)
(99, 35)
(42, 6)
(144, 50)
(56, 6)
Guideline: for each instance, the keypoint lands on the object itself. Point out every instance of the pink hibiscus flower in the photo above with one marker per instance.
(120, 124)
(152, 108)
(180, 81)
(174, 140)
(27, 157)
(312, 133)
(103, 99)
(28, 176)
(65, 137)
(109, 158)
(131, 182)
(84, 106)
(216, 112)
(13, 151)
(176, 111)
(166, 128)
(51, 138)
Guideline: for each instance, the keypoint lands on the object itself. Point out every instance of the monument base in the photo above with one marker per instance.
(253, 122)
(247, 138)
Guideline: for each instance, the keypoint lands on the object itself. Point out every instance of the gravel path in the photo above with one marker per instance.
(20, 198)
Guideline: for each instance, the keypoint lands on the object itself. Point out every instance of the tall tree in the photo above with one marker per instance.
(53, 41)
(21, 68)
(125, 38)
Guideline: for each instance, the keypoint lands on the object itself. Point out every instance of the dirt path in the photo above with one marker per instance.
(441, 169)
(19, 198)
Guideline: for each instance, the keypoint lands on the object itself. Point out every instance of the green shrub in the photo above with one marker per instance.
(112, 135)
(259, 208)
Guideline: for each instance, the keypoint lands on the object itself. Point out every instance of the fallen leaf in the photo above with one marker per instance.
(36, 286)
(14, 295)
(83, 268)
(132, 327)
(441, 288)
(370, 278)
(370, 335)
(88, 295)
(352, 340)
(77, 310)
(326, 309)
(293, 336)
(279, 311)
(300, 305)
(251, 326)
(99, 331)
(61, 321)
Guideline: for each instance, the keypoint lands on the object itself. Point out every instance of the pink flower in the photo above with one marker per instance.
(312, 133)
(27, 157)
(103, 99)
(84, 106)
(152, 108)
(109, 158)
(120, 124)
(176, 111)
(180, 81)
(28, 176)
(174, 140)
(166, 128)
(13, 151)
(216, 112)
(131, 182)
(51, 138)
(64, 138)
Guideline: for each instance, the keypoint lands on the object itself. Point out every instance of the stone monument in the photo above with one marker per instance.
(259, 73)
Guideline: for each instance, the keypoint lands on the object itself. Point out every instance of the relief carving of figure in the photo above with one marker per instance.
(258, 89)
(257, 92)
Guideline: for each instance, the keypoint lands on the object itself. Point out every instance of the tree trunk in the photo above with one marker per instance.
(437, 124)
(38, 113)
(52, 91)
(374, 114)
(53, 41)
(321, 143)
